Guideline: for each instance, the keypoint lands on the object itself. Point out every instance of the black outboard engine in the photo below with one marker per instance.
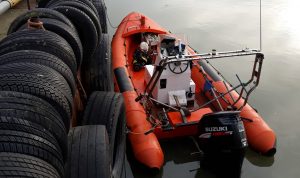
(223, 141)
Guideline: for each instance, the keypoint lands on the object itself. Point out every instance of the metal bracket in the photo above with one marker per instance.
(189, 58)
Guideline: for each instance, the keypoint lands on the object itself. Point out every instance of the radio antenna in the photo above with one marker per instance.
(260, 30)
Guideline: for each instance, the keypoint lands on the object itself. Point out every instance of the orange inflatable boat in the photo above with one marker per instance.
(172, 91)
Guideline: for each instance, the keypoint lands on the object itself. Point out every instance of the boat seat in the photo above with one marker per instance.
(176, 119)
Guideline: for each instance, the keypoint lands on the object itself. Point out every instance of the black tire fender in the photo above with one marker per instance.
(86, 2)
(17, 124)
(97, 73)
(85, 27)
(40, 81)
(21, 165)
(40, 13)
(30, 144)
(88, 145)
(40, 40)
(102, 13)
(107, 108)
(42, 58)
(84, 8)
(35, 110)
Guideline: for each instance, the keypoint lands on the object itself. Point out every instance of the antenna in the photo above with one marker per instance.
(260, 31)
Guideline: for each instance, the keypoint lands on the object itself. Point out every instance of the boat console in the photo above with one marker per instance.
(168, 89)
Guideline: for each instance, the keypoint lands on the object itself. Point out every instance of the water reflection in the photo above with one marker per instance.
(288, 23)
(259, 160)
(186, 163)
(183, 159)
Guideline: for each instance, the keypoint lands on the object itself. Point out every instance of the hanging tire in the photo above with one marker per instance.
(38, 13)
(42, 58)
(86, 2)
(17, 124)
(66, 32)
(90, 5)
(40, 40)
(84, 8)
(101, 8)
(21, 165)
(85, 27)
(35, 110)
(57, 81)
(30, 144)
(40, 81)
(97, 74)
(107, 108)
(88, 152)
(42, 3)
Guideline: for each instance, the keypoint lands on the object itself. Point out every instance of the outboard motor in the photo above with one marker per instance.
(223, 141)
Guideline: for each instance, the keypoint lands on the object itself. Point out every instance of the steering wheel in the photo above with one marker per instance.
(178, 67)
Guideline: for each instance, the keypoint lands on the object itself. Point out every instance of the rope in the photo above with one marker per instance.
(143, 133)
(110, 24)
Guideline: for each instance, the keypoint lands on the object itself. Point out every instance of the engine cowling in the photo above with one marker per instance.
(223, 140)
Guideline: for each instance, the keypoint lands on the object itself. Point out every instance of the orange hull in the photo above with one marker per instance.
(146, 147)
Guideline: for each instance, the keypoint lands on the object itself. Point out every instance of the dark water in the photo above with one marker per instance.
(229, 25)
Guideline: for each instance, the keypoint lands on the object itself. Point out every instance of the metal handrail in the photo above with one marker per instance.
(172, 59)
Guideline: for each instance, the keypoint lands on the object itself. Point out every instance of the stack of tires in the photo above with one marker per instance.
(42, 69)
